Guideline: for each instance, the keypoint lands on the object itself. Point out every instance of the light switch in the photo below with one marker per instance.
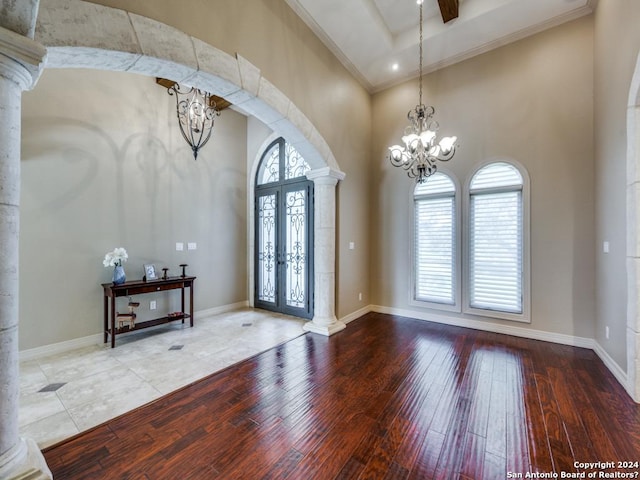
(192, 246)
(605, 247)
(179, 246)
(352, 245)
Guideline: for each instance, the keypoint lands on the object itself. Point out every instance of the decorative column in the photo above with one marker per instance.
(633, 238)
(324, 319)
(20, 64)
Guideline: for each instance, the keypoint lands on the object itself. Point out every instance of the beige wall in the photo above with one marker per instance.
(617, 44)
(103, 166)
(272, 38)
(531, 102)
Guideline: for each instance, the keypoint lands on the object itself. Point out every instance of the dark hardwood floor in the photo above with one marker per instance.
(387, 398)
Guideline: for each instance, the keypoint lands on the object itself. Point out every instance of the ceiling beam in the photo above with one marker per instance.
(448, 9)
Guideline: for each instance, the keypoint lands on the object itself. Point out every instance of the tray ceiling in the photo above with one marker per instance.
(370, 36)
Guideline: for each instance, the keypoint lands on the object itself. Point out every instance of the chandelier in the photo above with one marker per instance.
(196, 112)
(420, 152)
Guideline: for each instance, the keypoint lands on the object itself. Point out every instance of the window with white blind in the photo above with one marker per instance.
(487, 274)
(496, 240)
(435, 250)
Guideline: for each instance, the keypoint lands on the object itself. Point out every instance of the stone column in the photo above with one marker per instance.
(324, 319)
(633, 239)
(20, 65)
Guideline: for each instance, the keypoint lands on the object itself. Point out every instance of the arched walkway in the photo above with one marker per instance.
(123, 41)
(633, 237)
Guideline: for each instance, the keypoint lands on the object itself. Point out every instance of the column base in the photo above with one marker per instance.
(327, 328)
(24, 462)
(633, 364)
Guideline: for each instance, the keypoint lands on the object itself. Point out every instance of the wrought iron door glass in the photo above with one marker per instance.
(284, 229)
(267, 247)
(295, 244)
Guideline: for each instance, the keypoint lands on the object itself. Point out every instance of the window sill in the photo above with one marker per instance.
(445, 307)
(497, 314)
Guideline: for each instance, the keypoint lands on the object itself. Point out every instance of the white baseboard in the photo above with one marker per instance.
(61, 347)
(563, 339)
(610, 363)
(97, 339)
(209, 312)
(357, 314)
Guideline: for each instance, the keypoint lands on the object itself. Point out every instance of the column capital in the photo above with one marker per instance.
(21, 58)
(325, 176)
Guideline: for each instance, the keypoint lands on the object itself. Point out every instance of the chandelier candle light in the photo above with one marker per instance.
(196, 113)
(420, 153)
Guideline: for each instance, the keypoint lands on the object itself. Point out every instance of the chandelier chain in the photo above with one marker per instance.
(421, 150)
(420, 70)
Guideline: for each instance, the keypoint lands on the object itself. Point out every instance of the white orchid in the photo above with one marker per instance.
(115, 258)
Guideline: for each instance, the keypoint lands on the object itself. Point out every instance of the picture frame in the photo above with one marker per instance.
(150, 272)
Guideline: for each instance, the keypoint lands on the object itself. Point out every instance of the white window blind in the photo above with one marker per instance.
(435, 255)
(496, 239)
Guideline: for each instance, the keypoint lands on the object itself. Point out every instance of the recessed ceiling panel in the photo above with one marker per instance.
(401, 15)
(369, 36)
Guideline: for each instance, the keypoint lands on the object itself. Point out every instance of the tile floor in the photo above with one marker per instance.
(65, 394)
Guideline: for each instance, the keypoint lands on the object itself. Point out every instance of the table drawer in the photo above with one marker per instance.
(152, 288)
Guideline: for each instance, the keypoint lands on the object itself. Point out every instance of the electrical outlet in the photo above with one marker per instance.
(152, 305)
(179, 246)
(606, 332)
(192, 246)
(605, 247)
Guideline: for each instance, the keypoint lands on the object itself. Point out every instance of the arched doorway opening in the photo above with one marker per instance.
(91, 44)
(283, 232)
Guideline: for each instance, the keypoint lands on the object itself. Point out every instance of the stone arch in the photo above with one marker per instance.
(79, 34)
(633, 236)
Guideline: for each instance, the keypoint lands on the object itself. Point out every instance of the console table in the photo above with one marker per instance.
(138, 287)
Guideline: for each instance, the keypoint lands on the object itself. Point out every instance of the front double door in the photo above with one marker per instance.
(284, 248)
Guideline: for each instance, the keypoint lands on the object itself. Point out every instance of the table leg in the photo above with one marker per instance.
(182, 300)
(113, 322)
(191, 303)
(106, 317)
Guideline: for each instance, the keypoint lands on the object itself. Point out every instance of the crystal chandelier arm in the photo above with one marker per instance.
(397, 155)
(447, 149)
